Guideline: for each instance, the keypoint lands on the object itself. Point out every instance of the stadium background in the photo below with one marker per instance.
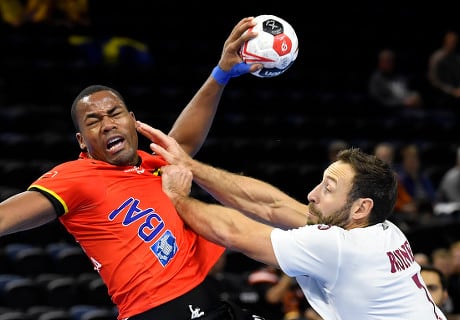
(276, 129)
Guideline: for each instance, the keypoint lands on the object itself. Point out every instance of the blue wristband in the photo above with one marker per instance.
(222, 77)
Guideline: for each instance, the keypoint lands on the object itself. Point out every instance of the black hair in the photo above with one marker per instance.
(373, 179)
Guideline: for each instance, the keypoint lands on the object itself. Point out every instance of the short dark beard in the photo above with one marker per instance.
(340, 218)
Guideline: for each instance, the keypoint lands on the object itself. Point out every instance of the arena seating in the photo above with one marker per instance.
(274, 129)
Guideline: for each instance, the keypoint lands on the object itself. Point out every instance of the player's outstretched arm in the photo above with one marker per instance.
(255, 198)
(23, 211)
(193, 124)
(218, 224)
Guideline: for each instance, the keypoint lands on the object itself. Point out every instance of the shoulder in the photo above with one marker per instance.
(79, 165)
(317, 236)
(151, 161)
(74, 171)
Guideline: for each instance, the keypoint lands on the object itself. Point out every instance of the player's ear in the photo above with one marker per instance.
(362, 208)
(81, 141)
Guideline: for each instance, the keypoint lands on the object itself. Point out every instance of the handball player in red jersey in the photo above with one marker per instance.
(111, 201)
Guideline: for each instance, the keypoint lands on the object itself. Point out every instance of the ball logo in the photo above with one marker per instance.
(273, 27)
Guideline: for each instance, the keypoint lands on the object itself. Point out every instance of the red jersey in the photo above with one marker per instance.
(129, 229)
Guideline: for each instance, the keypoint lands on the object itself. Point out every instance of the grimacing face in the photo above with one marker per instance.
(107, 129)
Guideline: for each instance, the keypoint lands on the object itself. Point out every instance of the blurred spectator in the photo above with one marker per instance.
(455, 253)
(295, 306)
(280, 297)
(422, 259)
(444, 71)
(454, 278)
(448, 192)
(12, 12)
(68, 13)
(311, 314)
(405, 211)
(416, 182)
(270, 284)
(385, 151)
(441, 258)
(390, 88)
(227, 285)
(436, 284)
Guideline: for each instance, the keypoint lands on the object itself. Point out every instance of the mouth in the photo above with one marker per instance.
(312, 211)
(115, 144)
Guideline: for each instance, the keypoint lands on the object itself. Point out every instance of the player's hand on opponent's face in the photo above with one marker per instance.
(176, 181)
(164, 145)
(231, 50)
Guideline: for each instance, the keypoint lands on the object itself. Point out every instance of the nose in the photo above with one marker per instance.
(312, 195)
(108, 123)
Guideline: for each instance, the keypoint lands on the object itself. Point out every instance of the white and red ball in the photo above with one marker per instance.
(276, 46)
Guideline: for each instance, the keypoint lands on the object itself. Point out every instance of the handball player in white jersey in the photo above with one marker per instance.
(350, 261)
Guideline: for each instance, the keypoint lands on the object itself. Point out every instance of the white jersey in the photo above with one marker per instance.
(362, 273)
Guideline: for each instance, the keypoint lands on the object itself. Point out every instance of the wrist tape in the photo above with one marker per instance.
(222, 77)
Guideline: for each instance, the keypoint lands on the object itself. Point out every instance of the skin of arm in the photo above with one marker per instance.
(255, 198)
(219, 224)
(202, 108)
(23, 211)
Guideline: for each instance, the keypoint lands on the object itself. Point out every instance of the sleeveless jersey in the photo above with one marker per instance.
(129, 229)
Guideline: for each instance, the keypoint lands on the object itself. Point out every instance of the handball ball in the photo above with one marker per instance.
(275, 46)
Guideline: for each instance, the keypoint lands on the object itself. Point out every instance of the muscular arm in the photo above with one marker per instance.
(193, 124)
(216, 223)
(253, 197)
(23, 211)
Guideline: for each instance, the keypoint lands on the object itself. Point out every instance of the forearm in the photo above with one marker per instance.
(227, 227)
(255, 198)
(208, 220)
(194, 122)
(217, 223)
